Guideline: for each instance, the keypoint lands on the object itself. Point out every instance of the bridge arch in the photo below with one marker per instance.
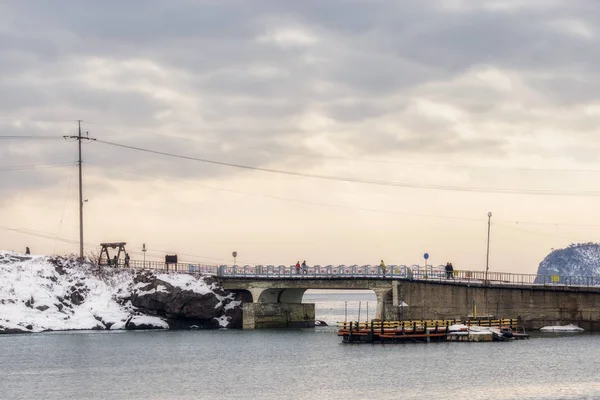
(245, 296)
(278, 295)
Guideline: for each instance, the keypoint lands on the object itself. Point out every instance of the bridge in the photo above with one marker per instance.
(272, 295)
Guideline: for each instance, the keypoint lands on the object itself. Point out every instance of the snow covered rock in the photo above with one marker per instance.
(577, 260)
(40, 293)
(185, 300)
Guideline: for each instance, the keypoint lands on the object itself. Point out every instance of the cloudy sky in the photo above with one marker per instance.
(372, 129)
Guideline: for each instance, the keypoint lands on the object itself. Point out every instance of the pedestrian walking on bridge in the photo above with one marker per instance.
(449, 271)
(382, 266)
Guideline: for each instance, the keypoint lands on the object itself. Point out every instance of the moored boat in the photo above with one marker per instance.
(562, 328)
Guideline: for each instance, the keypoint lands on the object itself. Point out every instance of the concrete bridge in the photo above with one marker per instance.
(273, 299)
(272, 296)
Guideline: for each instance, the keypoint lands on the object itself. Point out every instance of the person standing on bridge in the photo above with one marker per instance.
(304, 267)
(382, 266)
(449, 271)
(297, 267)
(127, 260)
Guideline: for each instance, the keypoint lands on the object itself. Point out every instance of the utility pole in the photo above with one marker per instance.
(487, 256)
(79, 138)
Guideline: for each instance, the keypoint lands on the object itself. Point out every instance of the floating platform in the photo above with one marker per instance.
(562, 328)
(431, 331)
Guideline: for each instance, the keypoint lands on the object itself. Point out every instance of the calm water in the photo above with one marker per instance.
(293, 364)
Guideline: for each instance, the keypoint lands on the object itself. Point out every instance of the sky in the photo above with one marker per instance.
(338, 132)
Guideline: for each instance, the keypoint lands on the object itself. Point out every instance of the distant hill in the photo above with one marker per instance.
(581, 260)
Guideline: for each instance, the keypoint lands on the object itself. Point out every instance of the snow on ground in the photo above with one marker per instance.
(36, 295)
(187, 282)
(39, 293)
(195, 284)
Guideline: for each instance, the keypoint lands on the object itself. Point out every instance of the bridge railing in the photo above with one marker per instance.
(160, 266)
(410, 272)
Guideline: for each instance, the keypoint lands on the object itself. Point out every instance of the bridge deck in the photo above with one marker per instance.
(392, 272)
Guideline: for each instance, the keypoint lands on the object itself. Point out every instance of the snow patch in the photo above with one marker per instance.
(187, 282)
(223, 321)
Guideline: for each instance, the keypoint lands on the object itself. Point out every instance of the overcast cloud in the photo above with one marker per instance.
(301, 86)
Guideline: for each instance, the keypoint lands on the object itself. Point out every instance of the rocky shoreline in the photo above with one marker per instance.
(40, 294)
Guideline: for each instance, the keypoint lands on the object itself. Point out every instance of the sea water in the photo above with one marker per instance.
(294, 364)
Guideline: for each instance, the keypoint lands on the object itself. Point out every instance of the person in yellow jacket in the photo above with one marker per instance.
(382, 266)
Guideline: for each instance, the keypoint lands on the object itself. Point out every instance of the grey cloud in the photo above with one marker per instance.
(365, 53)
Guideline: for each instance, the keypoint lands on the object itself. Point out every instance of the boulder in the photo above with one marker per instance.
(12, 329)
(143, 322)
(183, 307)
(162, 298)
(235, 315)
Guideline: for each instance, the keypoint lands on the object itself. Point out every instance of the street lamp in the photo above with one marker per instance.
(144, 251)
(487, 258)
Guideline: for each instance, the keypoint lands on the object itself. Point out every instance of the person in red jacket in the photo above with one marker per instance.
(298, 267)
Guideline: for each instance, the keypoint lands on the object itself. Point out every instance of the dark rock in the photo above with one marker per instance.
(235, 318)
(182, 308)
(192, 324)
(29, 303)
(131, 324)
(30, 327)
(77, 297)
(9, 331)
(175, 302)
(42, 307)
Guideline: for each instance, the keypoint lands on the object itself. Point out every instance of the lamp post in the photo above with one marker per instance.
(487, 257)
(144, 251)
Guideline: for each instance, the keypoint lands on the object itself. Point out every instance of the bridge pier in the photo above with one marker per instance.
(278, 315)
(388, 301)
(277, 308)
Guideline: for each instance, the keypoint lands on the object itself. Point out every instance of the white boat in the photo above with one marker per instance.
(562, 328)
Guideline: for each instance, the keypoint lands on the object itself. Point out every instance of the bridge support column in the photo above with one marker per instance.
(385, 306)
(278, 315)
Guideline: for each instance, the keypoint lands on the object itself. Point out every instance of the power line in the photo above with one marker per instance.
(534, 232)
(44, 235)
(365, 181)
(65, 203)
(295, 200)
(290, 199)
(27, 167)
(37, 120)
(12, 137)
(353, 159)
(557, 224)
(79, 139)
